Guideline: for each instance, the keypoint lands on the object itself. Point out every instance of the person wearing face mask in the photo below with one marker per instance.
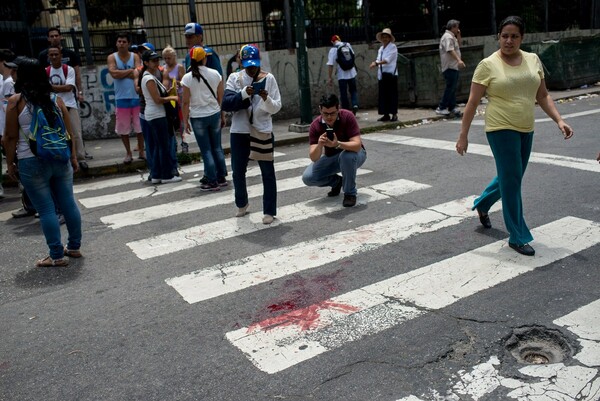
(513, 81)
(253, 96)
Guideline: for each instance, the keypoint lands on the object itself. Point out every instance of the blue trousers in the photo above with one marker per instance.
(449, 99)
(207, 131)
(323, 172)
(345, 85)
(511, 151)
(240, 154)
(50, 185)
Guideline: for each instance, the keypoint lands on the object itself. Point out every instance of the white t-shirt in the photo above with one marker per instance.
(2, 108)
(389, 54)
(332, 60)
(153, 110)
(57, 77)
(202, 101)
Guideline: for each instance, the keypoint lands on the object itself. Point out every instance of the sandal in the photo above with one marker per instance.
(128, 159)
(484, 219)
(49, 262)
(72, 253)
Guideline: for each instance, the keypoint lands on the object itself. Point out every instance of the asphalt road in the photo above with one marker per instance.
(403, 297)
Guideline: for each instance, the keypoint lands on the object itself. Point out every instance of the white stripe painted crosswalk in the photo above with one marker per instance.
(247, 272)
(219, 230)
(279, 343)
(484, 150)
(139, 216)
(147, 191)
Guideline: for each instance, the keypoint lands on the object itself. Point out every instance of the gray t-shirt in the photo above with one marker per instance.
(447, 44)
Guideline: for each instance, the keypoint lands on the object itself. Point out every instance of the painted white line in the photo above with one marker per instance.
(155, 190)
(253, 270)
(5, 216)
(484, 150)
(138, 216)
(201, 235)
(141, 178)
(278, 343)
(585, 323)
(481, 123)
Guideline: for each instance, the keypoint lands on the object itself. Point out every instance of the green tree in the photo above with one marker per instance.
(107, 10)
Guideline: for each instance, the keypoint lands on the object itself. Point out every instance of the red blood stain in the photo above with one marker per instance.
(287, 305)
(306, 318)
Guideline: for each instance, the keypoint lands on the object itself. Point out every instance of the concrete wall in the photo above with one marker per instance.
(98, 121)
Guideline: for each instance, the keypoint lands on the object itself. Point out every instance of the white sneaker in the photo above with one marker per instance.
(175, 178)
(442, 112)
(456, 112)
(267, 219)
(156, 181)
(242, 211)
(1, 190)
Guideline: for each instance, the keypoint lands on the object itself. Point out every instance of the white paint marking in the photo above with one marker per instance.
(201, 235)
(481, 123)
(253, 270)
(141, 178)
(154, 190)
(288, 339)
(138, 216)
(585, 323)
(484, 150)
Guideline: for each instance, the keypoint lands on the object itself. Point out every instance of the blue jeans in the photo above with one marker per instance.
(323, 172)
(146, 133)
(47, 182)
(449, 99)
(344, 85)
(511, 151)
(240, 153)
(207, 131)
(160, 146)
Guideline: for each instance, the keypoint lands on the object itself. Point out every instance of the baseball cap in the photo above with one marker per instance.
(336, 38)
(150, 55)
(250, 56)
(198, 53)
(193, 28)
(147, 46)
(12, 65)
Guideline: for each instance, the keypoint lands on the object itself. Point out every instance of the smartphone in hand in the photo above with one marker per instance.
(258, 86)
(329, 132)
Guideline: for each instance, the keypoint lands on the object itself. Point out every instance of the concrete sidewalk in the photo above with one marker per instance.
(109, 153)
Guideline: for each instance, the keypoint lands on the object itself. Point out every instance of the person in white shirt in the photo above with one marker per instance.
(202, 97)
(65, 87)
(451, 63)
(387, 74)
(253, 96)
(346, 78)
(7, 75)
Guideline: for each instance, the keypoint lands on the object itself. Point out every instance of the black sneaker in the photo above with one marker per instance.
(185, 148)
(384, 118)
(354, 109)
(213, 186)
(349, 200)
(204, 180)
(222, 182)
(337, 188)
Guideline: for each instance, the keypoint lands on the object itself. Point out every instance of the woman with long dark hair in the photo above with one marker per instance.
(202, 97)
(159, 140)
(48, 183)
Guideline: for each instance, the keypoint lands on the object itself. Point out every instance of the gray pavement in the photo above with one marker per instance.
(109, 153)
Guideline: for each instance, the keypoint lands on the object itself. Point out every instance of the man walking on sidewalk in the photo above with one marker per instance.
(342, 56)
(451, 61)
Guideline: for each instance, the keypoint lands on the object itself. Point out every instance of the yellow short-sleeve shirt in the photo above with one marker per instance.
(511, 91)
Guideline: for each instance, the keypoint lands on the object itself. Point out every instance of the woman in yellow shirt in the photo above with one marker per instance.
(514, 81)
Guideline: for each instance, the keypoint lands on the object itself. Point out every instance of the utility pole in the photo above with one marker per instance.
(302, 61)
(192, 5)
(85, 33)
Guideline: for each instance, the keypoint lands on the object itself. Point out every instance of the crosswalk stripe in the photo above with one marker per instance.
(584, 322)
(155, 190)
(215, 231)
(484, 150)
(138, 216)
(281, 342)
(141, 177)
(250, 271)
(540, 120)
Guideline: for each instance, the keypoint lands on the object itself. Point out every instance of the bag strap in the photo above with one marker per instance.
(206, 83)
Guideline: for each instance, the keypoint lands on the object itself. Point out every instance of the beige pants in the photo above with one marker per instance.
(76, 134)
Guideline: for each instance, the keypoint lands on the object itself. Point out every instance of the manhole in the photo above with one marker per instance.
(538, 346)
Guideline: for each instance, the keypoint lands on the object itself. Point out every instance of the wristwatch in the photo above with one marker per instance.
(338, 145)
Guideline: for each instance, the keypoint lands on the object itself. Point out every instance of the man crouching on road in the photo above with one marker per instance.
(335, 132)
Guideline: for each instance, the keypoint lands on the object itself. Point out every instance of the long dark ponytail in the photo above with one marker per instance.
(32, 83)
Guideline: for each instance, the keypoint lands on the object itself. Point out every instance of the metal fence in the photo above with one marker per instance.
(231, 23)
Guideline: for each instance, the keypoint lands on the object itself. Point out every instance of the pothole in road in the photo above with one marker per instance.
(538, 345)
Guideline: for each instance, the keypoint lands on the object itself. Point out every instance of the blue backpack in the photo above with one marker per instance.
(47, 142)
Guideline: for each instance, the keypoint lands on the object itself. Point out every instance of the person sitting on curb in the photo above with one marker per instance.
(335, 146)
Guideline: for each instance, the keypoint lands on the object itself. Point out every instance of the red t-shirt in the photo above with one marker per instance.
(344, 127)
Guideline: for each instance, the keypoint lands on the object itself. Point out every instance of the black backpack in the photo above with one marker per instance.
(345, 57)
